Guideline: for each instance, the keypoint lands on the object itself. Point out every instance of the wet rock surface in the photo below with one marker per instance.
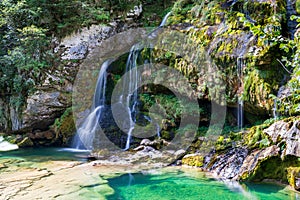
(21, 179)
(228, 165)
(237, 161)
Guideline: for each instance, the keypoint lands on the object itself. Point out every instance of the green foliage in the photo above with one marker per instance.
(256, 138)
(62, 17)
(24, 50)
(298, 6)
(172, 106)
(290, 104)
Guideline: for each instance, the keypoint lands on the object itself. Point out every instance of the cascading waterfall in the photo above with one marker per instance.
(129, 98)
(86, 133)
(240, 109)
(164, 21)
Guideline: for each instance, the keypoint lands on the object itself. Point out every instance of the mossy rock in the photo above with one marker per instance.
(26, 142)
(276, 168)
(64, 126)
(256, 138)
(293, 175)
(223, 143)
(298, 6)
(195, 160)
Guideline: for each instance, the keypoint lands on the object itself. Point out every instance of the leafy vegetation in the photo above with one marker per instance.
(28, 28)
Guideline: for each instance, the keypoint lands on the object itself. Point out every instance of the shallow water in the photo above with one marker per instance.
(181, 185)
(163, 184)
(46, 154)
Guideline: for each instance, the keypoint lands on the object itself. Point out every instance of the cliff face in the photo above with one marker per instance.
(251, 42)
(47, 110)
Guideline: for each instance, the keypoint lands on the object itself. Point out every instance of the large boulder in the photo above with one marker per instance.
(43, 108)
(253, 160)
(287, 132)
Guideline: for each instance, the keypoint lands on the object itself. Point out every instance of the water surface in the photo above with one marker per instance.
(181, 185)
(46, 154)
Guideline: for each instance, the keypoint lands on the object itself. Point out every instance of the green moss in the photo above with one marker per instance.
(223, 143)
(26, 142)
(298, 6)
(256, 138)
(165, 135)
(257, 89)
(65, 126)
(193, 160)
(292, 174)
(274, 168)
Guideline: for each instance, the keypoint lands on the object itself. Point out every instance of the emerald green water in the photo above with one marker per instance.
(181, 186)
(164, 184)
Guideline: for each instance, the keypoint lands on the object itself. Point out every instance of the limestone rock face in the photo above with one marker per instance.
(77, 46)
(54, 94)
(277, 130)
(257, 156)
(288, 132)
(292, 138)
(42, 109)
(228, 165)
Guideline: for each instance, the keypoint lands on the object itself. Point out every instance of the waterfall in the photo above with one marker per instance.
(128, 99)
(275, 113)
(240, 109)
(164, 21)
(86, 133)
(156, 125)
(157, 130)
(99, 96)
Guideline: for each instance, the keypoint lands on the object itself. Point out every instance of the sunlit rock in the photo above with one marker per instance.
(6, 146)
